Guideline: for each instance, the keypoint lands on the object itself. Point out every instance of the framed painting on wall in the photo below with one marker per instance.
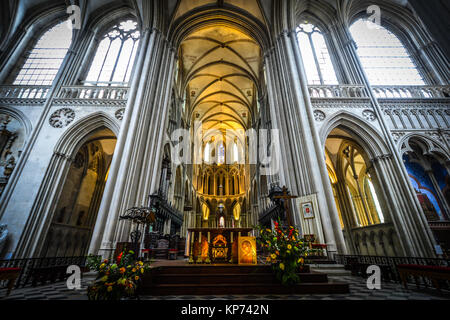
(307, 210)
(247, 250)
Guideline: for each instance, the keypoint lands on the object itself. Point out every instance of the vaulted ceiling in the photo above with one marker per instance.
(220, 68)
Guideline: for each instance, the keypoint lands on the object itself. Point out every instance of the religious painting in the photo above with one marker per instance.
(247, 250)
(307, 210)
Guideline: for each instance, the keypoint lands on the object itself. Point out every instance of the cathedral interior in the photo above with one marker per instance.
(204, 110)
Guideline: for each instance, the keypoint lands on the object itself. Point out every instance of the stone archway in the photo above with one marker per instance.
(358, 194)
(75, 213)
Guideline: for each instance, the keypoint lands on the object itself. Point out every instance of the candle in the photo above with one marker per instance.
(193, 236)
(200, 237)
(231, 237)
(208, 236)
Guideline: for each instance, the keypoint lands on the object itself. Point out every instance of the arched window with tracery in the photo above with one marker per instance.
(383, 57)
(115, 55)
(316, 58)
(46, 57)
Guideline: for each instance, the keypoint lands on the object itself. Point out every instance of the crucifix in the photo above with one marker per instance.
(286, 197)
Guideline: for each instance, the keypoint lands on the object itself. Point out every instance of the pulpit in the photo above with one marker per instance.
(215, 245)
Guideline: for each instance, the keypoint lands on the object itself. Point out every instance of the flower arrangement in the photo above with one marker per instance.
(117, 280)
(287, 252)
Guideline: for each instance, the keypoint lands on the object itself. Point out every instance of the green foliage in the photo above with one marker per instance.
(117, 280)
(287, 252)
(93, 262)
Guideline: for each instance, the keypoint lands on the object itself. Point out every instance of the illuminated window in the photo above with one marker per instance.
(221, 154)
(235, 153)
(316, 58)
(207, 153)
(46, 58)
(383, 56)
(115, 55)
(376, 201)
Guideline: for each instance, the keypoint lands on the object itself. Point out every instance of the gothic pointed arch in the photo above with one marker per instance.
(70, 139)
(366, 135)
(88, 132)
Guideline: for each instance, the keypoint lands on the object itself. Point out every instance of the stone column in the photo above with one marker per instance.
(441, 197)
(135, 171)
(28, 198)
(406, 212)
(301, 152)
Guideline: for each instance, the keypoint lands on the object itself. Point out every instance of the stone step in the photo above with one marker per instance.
(331, 269)
(245, 288)
(231, 278)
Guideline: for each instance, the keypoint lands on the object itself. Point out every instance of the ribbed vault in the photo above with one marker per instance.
(220, 68)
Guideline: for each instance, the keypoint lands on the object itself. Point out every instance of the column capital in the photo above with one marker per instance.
(382, 157)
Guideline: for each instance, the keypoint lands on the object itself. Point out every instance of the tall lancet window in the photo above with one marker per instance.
(235, 152)
(383, 56)
(220, 154)
(316, 58)
(46, 57)
(207, 153)
(115, 55)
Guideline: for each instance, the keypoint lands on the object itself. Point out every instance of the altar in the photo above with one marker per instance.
(220, 245)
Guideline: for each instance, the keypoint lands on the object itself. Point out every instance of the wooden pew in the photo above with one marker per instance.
(434, 273)
(11, 275)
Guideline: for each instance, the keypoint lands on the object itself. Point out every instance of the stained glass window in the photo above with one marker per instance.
(221, 153)
(316, 58)
(115, 55)
(383, 56)
(46, 58)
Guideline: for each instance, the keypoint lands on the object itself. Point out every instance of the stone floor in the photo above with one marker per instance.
(358, 291)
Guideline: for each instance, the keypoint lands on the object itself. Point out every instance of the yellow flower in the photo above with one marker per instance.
(268, 230)
(301, 260)
(142, 270)
(141, 263)
(289, 247)
(277, 253)
(136, 278)
(273, 256)
(102, 266)
(268, 259)
(109, 289)
(122, 270)
(281, 266)
(133, 270)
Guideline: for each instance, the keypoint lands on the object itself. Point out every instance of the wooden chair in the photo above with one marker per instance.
(162, 250)
(435, 274)
(11, 275)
